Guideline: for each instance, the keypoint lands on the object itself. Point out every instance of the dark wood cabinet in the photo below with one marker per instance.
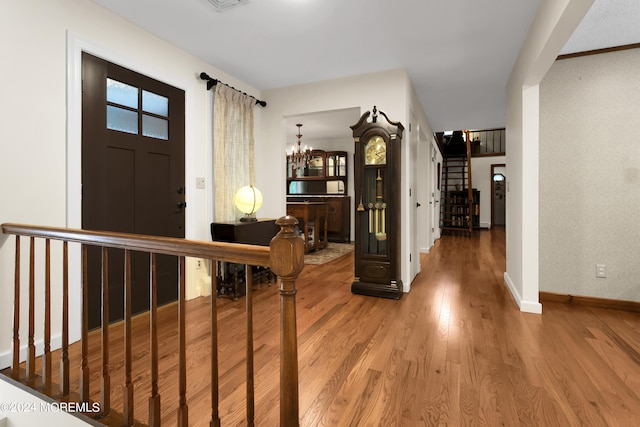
(258, 232)
(338, 219)
(325, 180)
(377, 174)
(312, 222)
(338, 215)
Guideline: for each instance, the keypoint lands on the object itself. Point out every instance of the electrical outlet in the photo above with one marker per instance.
(601, 271)
(200, 183)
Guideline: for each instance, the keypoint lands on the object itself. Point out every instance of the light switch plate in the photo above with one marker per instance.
(200, 183)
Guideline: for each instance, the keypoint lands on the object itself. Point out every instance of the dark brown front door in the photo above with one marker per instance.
(132, 176)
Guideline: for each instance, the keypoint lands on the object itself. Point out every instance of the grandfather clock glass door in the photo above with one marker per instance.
(375, 220)
(377, 190)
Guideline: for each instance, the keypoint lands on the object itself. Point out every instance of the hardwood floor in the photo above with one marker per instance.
(454, 351)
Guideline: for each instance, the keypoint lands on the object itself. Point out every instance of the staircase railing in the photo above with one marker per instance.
(469, 187)
(285, 257)
(457, 202)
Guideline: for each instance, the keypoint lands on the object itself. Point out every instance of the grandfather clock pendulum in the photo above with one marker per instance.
(377, 168)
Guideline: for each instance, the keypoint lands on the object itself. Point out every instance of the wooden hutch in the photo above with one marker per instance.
(323, 180)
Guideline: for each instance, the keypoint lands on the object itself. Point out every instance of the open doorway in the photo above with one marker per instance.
(327, 131)
(498, 194)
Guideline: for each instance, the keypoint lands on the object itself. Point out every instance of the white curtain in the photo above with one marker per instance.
(233, 149)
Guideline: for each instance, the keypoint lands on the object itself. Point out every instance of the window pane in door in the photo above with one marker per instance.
(154, 103)
(122, 120)
(155, 127)
(122, 93)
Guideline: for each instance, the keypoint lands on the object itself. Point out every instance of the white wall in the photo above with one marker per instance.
(552, 26)
(590, 176)
(481, 178)
(427, 155)
(40, 129)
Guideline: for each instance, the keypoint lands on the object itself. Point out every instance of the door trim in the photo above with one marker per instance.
(76, 44)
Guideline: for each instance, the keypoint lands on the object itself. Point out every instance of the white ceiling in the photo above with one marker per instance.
(458, 53)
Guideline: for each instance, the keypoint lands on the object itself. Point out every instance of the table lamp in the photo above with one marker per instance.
(248, 200)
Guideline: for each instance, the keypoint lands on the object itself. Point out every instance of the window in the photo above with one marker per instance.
(130, 108)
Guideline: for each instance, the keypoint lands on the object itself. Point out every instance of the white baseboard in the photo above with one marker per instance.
(525, 306)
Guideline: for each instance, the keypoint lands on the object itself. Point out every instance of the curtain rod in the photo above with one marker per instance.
(211, 82)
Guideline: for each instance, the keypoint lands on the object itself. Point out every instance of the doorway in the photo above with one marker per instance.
(498, 194)
(132, 176)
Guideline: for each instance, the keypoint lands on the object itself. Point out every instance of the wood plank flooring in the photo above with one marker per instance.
(454, 351)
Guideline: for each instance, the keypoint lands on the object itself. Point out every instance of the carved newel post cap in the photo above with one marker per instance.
(287, 249)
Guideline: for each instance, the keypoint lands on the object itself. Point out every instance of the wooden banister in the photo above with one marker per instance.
(285, 257)
(127, 388)
(16, 314)
(154, 399)
(183, 409)
(105, 379)
(215, 395)
(469, 186)
(64, 350)
(31, 355)
(84, 331)
(46, 356)
(287, 261)
(228, 252)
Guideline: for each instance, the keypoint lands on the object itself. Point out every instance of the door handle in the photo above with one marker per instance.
(182, 205)
(418, 205)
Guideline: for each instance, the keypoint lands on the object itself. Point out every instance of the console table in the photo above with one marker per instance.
(230, 277)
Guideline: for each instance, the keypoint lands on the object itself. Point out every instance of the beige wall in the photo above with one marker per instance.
(552, 26)
(590, 176)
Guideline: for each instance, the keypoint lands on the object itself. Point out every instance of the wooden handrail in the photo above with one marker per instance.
(228, 252)
(285, 257)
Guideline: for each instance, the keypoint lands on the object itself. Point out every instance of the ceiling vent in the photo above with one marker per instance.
(222, 5)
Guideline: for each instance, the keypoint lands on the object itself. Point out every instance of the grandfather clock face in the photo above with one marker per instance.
(375, 151)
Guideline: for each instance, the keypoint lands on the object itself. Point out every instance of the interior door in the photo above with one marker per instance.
(132, 176)
(498, 195)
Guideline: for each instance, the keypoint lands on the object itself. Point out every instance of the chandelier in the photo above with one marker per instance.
(299, 157)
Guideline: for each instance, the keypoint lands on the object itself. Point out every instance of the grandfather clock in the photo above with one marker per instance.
(377, 196)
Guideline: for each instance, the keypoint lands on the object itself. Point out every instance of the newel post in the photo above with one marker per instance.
(287, 261)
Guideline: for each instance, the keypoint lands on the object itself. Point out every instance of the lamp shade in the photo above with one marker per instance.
(248, 200)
